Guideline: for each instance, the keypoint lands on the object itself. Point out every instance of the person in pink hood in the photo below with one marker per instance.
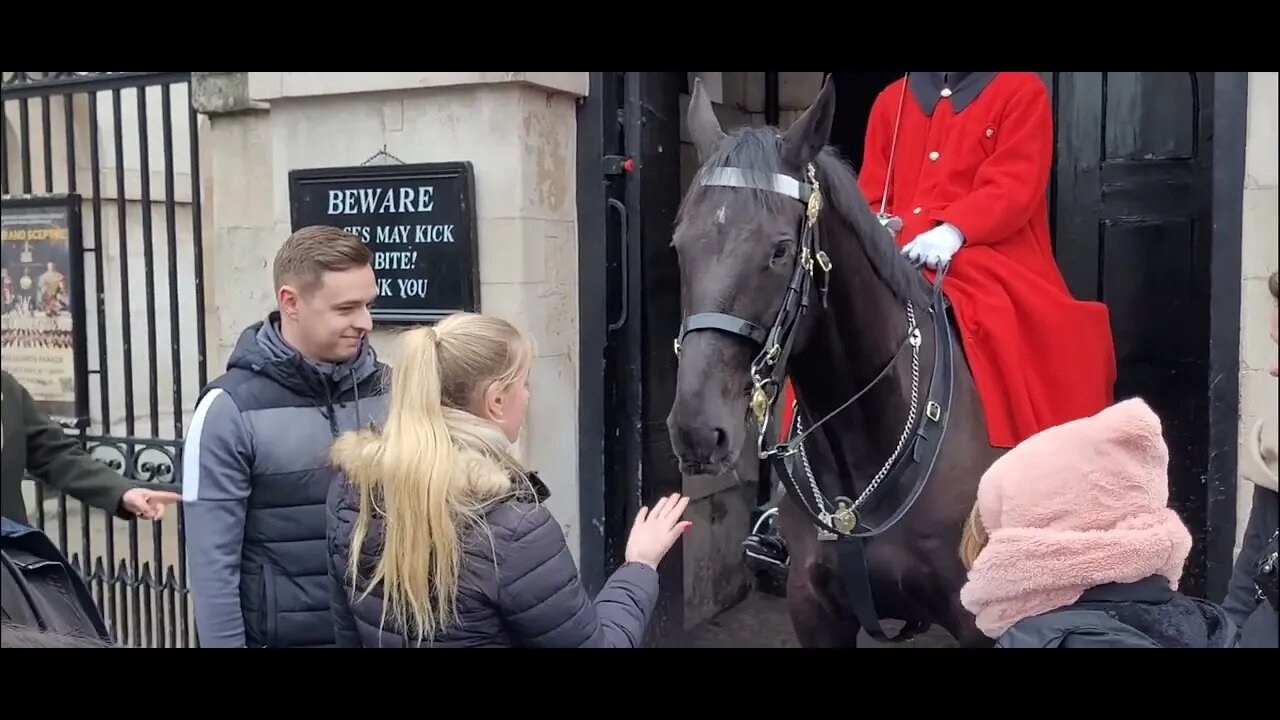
(1072, 544)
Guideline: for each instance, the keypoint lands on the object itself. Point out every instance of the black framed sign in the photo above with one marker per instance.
(420, 222)
(43, 315)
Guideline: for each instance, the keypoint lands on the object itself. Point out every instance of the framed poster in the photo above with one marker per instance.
(420, 222)
(44, 335)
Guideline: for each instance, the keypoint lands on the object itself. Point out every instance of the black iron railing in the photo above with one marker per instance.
(114, 141)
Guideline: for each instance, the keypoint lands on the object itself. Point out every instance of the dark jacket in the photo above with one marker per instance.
(1246, 603)
(40, 589)
(255, 475)
(521, 591)
(35, 444)
(1141, 614)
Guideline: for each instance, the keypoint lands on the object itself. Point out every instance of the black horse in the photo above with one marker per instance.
(786, 271)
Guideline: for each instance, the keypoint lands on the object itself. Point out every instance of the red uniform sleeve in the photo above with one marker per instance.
(875, 153)
(1014, 178)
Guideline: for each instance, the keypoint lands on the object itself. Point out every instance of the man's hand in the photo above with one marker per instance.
(148, 504)
(934, 247)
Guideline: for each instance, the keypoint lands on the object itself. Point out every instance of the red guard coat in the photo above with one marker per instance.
(1038, 356)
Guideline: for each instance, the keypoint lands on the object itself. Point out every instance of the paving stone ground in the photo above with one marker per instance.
(761, 621)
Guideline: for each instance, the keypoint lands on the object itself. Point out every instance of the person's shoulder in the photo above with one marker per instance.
(218, 398)
(1072, 628)
(9, 383)
(517, 520)
(1022, 86)
(218, 416)
(890, 93)
(229, 382)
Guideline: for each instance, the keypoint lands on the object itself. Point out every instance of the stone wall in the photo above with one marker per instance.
(1258, 261)
(517, 129)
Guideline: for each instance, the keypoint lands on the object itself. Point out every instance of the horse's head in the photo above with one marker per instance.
(739, 238)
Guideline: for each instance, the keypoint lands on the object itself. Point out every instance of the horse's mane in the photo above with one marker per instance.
(759, 149)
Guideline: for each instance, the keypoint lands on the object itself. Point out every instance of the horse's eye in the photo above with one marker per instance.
(782, 249)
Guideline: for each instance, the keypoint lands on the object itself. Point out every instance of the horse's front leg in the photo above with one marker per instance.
(815, 611)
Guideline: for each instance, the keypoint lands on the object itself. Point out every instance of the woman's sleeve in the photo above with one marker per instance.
(541, 596)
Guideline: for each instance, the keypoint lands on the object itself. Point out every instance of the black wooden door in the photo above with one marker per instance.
(601, 309)
(629, 190)
(651, 114)
(1132, 202)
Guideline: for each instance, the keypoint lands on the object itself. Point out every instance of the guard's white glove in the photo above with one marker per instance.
(935, 247)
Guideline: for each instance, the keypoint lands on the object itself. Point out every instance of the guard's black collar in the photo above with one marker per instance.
(926, 88)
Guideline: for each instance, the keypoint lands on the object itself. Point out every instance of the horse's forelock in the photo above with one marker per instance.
(759, 149)
(756, 149)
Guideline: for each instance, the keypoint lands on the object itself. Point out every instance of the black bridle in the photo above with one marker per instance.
(922, 437)
(774, 343)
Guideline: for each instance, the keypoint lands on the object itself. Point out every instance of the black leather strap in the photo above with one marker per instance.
(726, 323)
(851, 558)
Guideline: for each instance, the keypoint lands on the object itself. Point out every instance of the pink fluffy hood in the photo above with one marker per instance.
(1075, 506)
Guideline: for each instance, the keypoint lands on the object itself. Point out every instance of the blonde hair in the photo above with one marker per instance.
(973, 538)
(434, 467)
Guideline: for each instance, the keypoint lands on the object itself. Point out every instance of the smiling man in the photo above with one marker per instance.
(255, 468)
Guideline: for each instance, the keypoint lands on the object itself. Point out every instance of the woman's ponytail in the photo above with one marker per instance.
(430, 472)
(406, 473)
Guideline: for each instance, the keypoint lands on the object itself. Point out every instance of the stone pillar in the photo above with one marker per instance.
(238, 209)
(1258, 261)
(517, 129)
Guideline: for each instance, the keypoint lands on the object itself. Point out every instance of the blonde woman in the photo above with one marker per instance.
(454, 545)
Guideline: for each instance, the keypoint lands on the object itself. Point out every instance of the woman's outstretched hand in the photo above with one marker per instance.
(654, 532)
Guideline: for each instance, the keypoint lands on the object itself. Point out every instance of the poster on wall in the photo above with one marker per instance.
(42, 319)
(418, 219)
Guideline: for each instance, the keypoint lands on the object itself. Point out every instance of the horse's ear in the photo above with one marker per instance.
(703, 124)
(811, 132)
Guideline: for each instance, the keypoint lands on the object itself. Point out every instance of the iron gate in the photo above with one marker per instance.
(127, 146)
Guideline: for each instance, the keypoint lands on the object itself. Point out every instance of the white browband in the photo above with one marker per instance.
(775, 182)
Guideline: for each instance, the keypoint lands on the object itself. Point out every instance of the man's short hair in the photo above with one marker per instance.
(1274, 285)
(313, 251)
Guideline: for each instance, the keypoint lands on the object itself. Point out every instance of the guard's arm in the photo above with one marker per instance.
(876, 148)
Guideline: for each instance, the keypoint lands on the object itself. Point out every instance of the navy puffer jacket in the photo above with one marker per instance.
(523, 590)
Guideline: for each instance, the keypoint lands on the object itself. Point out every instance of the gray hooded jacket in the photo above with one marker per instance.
(255, 474)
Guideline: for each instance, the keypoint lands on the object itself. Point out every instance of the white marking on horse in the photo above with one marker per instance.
(720, 215)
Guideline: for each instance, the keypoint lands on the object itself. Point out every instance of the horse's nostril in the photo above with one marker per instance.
(705, 444)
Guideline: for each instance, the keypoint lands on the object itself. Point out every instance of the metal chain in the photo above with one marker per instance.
(823, 503)
(911, 416)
